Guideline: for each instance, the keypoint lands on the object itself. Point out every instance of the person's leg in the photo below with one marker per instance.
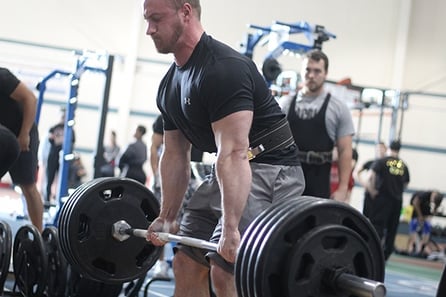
(191, 277)
(378, 212)
(51, 169)
(34, 204)
(24, 174)
(425, 238)
(190, 266)
(392, 228)
(223, 281)
(412, 242)
(366, 209)
(9, 150)
(270, 184)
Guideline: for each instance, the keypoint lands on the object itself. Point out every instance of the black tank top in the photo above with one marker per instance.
(311, 135)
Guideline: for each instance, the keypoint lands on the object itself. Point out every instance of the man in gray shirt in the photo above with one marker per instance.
(320, 122)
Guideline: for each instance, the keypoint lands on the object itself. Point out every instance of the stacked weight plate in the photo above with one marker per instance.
(292, 248)
(85, 229)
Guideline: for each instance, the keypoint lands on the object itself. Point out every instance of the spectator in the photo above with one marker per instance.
(56, 139)
(364, 172)
(132, 160)
(77, 172)
(420, 224)
(320, 122)
(17, 113)
(389, 177)
(111, 153)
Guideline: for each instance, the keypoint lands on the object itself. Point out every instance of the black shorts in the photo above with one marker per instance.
(9, 149)
(270, 184)
(24, 169)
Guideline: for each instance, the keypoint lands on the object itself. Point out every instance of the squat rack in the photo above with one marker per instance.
(86, 61)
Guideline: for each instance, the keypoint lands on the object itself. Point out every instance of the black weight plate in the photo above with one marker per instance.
(319, 253)
(57, 265)
(294, 205)
(441, 290)
(290, 228)
(5, 252)
(269, 221)
(64, 218)
(67, 213)
(29, 261)
(242, 259)
(243, 256)
(80, 193)
(250, 243)
(88, 230)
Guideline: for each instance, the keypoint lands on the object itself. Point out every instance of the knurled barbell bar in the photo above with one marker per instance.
(305, 246)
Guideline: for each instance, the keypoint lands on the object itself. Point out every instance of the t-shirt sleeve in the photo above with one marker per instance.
(8, 82)
(157, 126)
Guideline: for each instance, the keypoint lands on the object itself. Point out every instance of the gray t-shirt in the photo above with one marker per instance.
(338, 119)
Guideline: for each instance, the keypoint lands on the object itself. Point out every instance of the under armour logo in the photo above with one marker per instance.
(187, 101)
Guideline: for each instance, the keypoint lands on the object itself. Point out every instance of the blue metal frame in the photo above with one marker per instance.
(71, 105)
(315, 34)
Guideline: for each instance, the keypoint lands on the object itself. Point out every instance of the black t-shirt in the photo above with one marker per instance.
(425, 203)
(11, 112)
(215, 82)
(391, 176)
(157, 127)
(367, 165)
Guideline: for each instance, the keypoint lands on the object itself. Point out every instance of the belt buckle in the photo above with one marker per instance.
(253, 152)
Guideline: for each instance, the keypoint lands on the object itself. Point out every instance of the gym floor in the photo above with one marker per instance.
(405, 276)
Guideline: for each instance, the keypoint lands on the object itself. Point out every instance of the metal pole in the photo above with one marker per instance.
(99, 156)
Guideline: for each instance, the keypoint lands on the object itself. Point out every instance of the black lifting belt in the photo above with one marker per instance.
(277, 137)
(315, 158)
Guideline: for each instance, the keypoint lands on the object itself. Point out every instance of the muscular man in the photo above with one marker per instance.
(214, 98)
(319, 122)
(17, 113)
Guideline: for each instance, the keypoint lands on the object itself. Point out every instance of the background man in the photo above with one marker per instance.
(17, 113)
(319, 122)
(389, 177)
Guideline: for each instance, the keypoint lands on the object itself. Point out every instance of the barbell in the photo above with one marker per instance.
(305, 246)
(121, 231)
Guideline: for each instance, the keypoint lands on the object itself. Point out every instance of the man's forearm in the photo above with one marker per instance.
(234, 175)
(175, 175)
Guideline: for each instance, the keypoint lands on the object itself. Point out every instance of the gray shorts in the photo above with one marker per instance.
(201, 219)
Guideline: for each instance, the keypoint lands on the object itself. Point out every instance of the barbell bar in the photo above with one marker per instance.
(121, 230)
(360, 287)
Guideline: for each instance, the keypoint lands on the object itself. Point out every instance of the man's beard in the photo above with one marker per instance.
(166, 47)
(314, 87)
